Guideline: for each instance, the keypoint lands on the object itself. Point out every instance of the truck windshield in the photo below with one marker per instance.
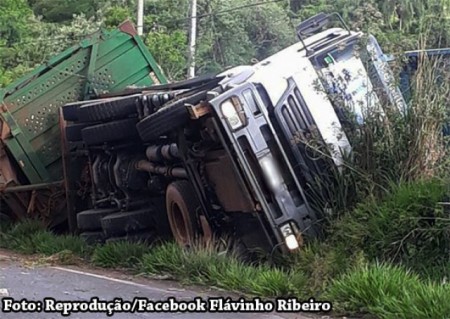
(356, 78)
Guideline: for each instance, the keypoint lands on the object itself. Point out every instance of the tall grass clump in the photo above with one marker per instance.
(30, 237)
(119, 254)
(47, 243)
(389, 292)
(20, 237)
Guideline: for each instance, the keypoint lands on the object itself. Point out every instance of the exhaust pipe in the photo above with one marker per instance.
(150, 167)
(161, 153)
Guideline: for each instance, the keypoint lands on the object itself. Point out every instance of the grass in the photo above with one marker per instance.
(210, 267)
(407, 227)
(389, 292)
(30, 237)
(350, 282)
(119, 254)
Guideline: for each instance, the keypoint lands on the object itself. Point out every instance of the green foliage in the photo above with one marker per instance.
(119, 254)
(225, 39)
(406, 227)
(389, 292)
(226, 36)
(43, 41)
(211, 267)
(30, 237)
(115, 15)
(47, 243)
(321, 262)
(14, 15)
(20, 236)
(169, 50)
(63, 10)
(353, 285)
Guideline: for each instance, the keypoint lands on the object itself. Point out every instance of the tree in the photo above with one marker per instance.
(115, 15)
(64, 10)
(14, 15)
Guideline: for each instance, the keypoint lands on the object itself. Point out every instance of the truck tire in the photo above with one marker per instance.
(70, 111)
(170, 117)
(93, 237)
(73, 132)
(123, 223)
(182, 205)
(90, 220)
(110, 132)
(111, 109)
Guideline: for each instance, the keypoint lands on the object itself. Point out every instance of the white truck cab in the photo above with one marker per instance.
(273, 108)
(323, 64)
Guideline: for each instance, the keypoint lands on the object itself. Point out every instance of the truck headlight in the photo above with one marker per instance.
(234, 113)
(289, 237)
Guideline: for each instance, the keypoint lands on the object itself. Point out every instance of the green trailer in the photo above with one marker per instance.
(31, 157)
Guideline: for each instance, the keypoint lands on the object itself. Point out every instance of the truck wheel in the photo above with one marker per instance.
(90, 220)
(110, 132)
(182, 205)
(73, 132)
(170, 117)
(108, 110)
(70, 111)
(121, 224)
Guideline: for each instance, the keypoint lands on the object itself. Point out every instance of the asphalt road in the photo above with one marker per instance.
(18, 280)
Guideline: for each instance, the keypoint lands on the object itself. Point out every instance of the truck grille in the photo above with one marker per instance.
(298, 127)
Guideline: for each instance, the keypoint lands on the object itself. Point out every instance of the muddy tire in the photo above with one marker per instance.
(70, 111)
(171, 117)
(112, 109)
(182, 206)
(124, 223)
(110, 132)
(90, 220)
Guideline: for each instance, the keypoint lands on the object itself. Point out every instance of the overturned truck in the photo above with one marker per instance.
(216, 155)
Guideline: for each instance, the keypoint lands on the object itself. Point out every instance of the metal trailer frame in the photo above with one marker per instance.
(31, 170)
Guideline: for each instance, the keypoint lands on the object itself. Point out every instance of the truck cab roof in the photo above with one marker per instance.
(284, 64)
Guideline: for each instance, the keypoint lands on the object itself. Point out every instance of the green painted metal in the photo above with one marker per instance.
(106, 62)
